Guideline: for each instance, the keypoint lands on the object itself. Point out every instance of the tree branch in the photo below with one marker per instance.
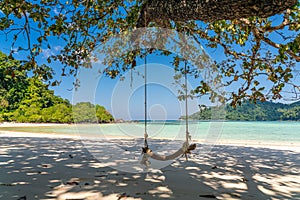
(292, 54)
(259, 35)
(215, 40)
(208, 10)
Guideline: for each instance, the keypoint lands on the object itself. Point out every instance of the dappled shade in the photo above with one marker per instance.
(62, 169)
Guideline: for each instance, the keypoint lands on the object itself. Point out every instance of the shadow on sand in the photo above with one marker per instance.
(43, 168)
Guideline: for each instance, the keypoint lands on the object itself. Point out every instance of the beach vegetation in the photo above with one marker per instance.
(86, 112)
(259, 111)
(29, 99)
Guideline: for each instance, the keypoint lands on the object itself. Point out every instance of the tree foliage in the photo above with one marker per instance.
(291, 114)
(12, 83)
(255, 48)
(28, 99)
(261, 111)
(85, 112)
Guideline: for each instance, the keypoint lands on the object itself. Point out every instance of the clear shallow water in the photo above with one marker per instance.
(286, 132)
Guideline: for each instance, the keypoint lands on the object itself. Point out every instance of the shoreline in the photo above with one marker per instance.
(292, 146)
(17, 124)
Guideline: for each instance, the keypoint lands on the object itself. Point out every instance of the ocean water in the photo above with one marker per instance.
(259, 132)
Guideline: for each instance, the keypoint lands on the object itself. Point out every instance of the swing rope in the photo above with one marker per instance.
(145, 92)
(146, 151)
(187, 134)
(145, 159)
(186, 147)
(145, 103)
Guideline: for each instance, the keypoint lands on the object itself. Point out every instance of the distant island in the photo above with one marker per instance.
(29, 99)
(259, 111)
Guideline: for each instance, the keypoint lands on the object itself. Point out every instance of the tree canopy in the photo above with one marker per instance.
(261, 111)
(260, 39)
(28, 99)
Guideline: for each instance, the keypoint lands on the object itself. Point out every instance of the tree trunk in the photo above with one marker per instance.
(162, 11)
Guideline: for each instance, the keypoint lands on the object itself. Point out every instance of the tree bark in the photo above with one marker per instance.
(162, 11)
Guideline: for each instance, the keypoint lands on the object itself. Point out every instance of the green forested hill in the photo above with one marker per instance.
(261, 111)
(28, 99)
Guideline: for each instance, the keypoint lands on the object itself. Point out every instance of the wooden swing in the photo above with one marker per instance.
(209, 11)
(186, 147)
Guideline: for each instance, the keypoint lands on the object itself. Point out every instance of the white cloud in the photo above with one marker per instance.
(50, 52)
(47, 53)
(58, 48)
(15, 50)
(55, 11)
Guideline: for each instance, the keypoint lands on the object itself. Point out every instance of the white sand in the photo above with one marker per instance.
(45, 166)
(13, 124)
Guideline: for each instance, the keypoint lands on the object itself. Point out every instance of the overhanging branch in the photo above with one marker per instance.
(259, 35)
(208, 10)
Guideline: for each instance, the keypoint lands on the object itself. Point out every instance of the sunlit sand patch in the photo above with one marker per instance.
(231, 196)
(60, 189)
(21, 183)
(285, 185)
(100, 165)
(83, 195)
(226, 176)
(266, 191)
(192, 168)
(234, 182)
(260, 164)
(155, 178)
(51, 155)
(55, 181)
(33, 158)
(27, 168)
(24, 163)
(14, 183)
(164, 196)
(7, 162)
(74, 165)
(4, 155)
(111, 181)
(114, 172)
(136, 176)
(138, 169)
(237, 185)
(121, 184)
(61, 159)
(161, 191)
(116, 197)
(36, 172)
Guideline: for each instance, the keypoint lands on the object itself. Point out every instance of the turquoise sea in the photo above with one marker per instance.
(236, 132)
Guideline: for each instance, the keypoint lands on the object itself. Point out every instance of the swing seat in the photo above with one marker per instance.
(182, 151)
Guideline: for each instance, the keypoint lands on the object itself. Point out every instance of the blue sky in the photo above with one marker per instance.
(162, 102)
(122, 98)
(125, 98)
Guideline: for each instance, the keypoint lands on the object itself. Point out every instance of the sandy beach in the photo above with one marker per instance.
(45, 166)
